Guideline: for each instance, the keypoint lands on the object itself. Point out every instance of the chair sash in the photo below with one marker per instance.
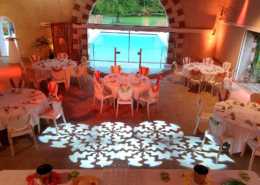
(195, 75)
(153, 95)
(207, 60)
(53, 88)
(186, 60)
(96, 75)
(34, 58)
(220, 77)
(63, 56)
(144, 70)
(159, 79)
(115, 69)
(16, 83)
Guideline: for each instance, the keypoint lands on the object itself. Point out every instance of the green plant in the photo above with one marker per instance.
(6, 33)
(41, 43)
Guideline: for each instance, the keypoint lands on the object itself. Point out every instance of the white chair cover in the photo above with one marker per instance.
(207, 60)
(63, 56)
(98, 87)
(125, 95)
(34, 58)
(216, 128)
(57, 106)
(186, 60)
(226, 66)
(18, 122)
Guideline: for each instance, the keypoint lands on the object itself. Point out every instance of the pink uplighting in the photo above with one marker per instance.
(242, 16)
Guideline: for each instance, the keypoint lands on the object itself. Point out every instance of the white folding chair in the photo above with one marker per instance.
(207, 61)
(101, 94)
(176, 73)
(255, 146)
(195, 79)
(16, 83)
(53, 90)
(63, 56)
(34, 77)
(255, 97)
(202, 116)
(34, 58)
(219, 81)
(229, 79)
(186, 60)
(17, 126)
(221, 94)
(125, 97)
(152, 97)
(59, 77)
(144, 71)
(115, 69)
(80, 72)
(54, 114)
(216, 135)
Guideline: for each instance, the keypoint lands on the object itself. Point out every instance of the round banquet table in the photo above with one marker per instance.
(43, 68)
(138, 83)
(238, 128)
(12, 103)
(208, 71)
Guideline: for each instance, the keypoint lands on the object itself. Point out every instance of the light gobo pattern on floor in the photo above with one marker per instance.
(150, 144)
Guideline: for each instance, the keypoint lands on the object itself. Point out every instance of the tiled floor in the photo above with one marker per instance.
(91, 139)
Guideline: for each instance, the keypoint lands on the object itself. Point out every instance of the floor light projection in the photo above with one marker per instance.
(145, 145)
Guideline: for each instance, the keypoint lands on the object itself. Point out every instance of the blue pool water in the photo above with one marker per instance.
(102, 49)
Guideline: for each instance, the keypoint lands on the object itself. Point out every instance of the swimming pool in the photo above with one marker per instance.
(102, 48)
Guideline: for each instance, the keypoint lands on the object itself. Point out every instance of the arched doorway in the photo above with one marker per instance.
(175, 15)
(6, 30)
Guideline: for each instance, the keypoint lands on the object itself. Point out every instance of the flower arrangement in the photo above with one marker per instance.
(216, 123)
(226, 96)
(124, 90)
(83, 59)
(31, 178)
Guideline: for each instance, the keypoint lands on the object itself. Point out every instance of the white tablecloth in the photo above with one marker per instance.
(46, 71)
(33, 103)
(144, 177)
(240, 130)
(208, 71)
(138, 87)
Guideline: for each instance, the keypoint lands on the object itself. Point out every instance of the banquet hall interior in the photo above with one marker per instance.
(147, 84)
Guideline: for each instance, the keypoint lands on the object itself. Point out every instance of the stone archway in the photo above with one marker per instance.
(173, 8)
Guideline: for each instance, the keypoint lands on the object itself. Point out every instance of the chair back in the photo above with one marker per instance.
(81, 69)
(58, 74)
(21, 64)
(19, 121)
(16, 82)
(221, 95)
(216, 128)
(144, 71)
(207, 60)
(31, 72)
(125, 94)
(226, 66)
(53, 88)
(98, 87)
(196, 75)
(62, 56)
(175, 66)
(115, 69)
(186, 60)
(34, 58)
(57, 105)
(154, 95)
(96, 75)
(255, 97)
(220, 77)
